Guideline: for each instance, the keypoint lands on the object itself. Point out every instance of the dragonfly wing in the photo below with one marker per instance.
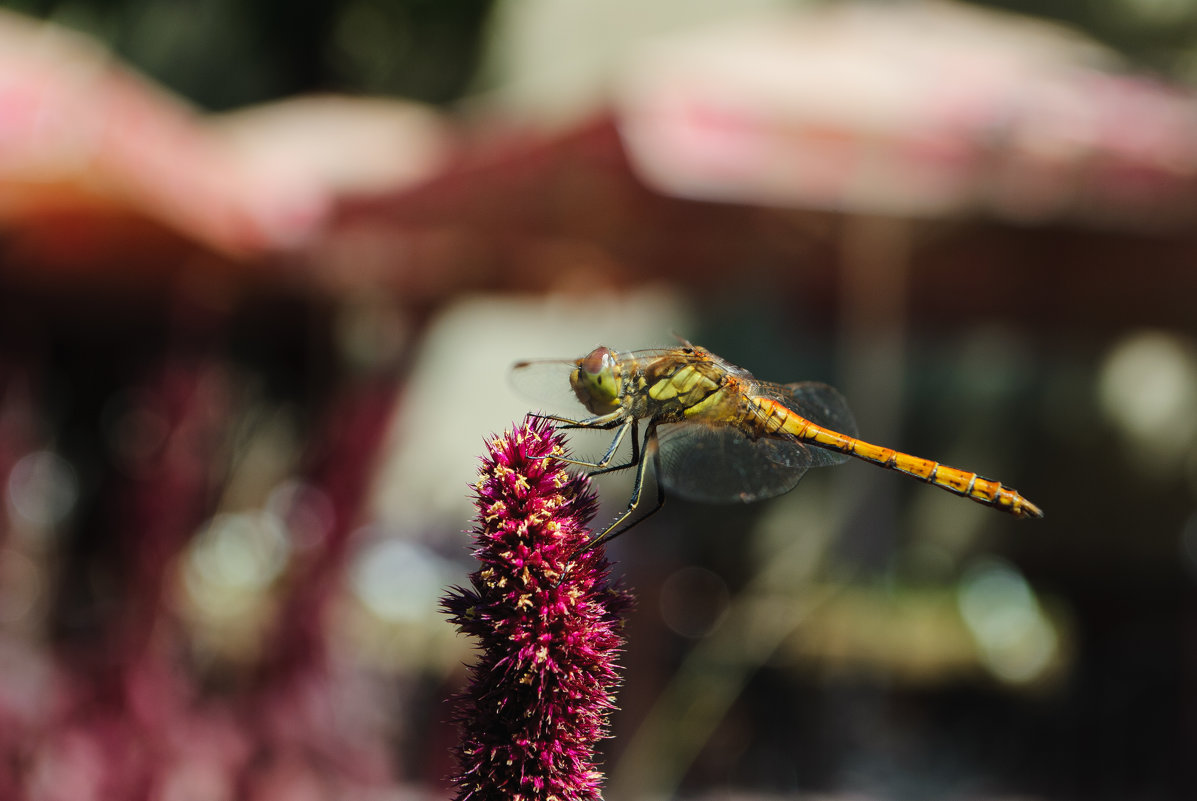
(718, 464)
(821, 404)
(546, 382)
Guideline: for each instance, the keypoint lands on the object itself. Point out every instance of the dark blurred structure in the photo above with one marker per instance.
(225, 55)
(219, 334)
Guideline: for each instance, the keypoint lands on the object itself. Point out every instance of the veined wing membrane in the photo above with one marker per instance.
(821, 404)
(718, 464)
(546, 382)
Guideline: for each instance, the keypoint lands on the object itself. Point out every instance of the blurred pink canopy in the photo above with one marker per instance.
(913, 109)
(918, 109)
(87, 147)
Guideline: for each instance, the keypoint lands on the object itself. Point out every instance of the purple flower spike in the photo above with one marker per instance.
(541, 691)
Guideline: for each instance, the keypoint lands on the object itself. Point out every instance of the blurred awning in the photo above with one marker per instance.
(918, 109)
(99, 164)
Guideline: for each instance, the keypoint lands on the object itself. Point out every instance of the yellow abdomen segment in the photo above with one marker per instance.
(954, 480)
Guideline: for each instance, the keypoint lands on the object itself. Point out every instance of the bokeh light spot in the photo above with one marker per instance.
(306, 511)
(42, 489)
(1148, 389)
(1016, 641)
(693, 601)
(243, 552)
(398, 580)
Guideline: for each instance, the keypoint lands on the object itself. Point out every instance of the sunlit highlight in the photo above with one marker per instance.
(1017, 643)
(398, 580)
(42, 489)
(1148, 389)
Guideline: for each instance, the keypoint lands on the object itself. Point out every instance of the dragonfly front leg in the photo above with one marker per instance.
(606, 422)
(632, 462)
(601, 423)
(612, 531)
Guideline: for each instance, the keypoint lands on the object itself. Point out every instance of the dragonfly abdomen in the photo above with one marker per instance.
(953, 479)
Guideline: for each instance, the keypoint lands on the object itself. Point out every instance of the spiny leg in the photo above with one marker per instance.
(601, 423)
(604, 423)
(612, 531)
(602, 464)
(609, 420)
(632, 462)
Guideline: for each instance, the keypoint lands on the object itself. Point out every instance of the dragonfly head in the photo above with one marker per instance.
(596, 381)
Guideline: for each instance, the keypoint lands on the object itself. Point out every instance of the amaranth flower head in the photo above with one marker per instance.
(541, 690)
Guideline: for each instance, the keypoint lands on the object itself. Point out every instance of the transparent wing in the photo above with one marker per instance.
(545, 382)
(821, 404)
(718, 464)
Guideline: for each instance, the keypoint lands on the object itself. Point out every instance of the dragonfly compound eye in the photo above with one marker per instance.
(596, 381)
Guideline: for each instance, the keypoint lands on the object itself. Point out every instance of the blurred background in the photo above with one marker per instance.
(263, 269)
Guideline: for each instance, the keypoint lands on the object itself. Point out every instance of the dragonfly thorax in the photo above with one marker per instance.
(596, 381)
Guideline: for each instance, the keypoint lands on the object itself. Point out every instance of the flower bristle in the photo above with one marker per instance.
(542, 688)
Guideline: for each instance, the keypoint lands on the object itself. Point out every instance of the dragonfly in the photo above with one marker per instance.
(713, 432)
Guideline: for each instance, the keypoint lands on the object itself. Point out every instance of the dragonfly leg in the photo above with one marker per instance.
(612, 531)
(602, 423)
(602, 464)
(632, 462)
